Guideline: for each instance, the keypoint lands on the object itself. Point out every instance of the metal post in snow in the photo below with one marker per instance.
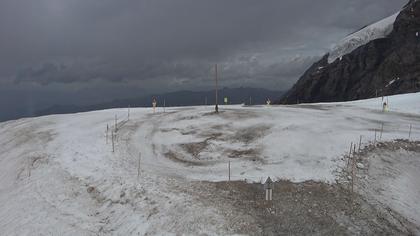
(360, 142)
(128, 115)
(164, 105)
(107, 129)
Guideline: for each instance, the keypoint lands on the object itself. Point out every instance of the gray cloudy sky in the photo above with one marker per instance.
(84, 51)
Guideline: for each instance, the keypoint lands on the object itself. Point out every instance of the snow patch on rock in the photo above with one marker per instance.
(380, 29)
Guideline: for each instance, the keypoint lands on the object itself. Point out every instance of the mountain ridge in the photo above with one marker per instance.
(381, 67)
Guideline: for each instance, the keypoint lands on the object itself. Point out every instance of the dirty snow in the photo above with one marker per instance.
(58, 174)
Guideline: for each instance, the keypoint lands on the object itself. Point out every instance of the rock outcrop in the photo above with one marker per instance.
(383, 66)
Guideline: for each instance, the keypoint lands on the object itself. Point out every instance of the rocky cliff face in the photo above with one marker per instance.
(383, 66)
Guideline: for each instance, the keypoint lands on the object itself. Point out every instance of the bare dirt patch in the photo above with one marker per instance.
(250, 154)
(248, 135)
(309, 208)
(171, 155)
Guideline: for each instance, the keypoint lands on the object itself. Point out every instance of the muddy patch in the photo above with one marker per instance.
(171, 155)
(249, 135)
(195, 148)
(315, 107)
(251, 154)
(239, 114)
(309, 208)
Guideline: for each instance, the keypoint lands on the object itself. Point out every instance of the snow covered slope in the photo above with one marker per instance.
(377, 30)
(59, 176)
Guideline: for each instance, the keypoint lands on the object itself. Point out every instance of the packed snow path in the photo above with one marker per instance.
(58, 174)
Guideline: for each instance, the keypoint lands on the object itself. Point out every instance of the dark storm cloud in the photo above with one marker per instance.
(157, 43)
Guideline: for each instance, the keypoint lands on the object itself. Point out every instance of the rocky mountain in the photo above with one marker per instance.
(380, 59)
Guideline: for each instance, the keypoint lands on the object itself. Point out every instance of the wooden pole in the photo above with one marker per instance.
(382, 129)
(229, 170)
(375, 137)
(164, 105)
(107, 129)
(409, 132)
(348, 160)
(139, 167)
(112, 135)
(128, 113)
(116, 122)
(353, 176)
(360, 142)
(217, 88)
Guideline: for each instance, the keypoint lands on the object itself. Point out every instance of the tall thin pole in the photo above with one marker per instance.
(164, 105)
(116, 123)
(107, 129)
(217, 99)
(382, 130)
(409, 133)
(375, 136)
(229, 170)
(112, 135)
(138, 168)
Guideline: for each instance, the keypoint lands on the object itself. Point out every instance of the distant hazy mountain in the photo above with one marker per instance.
(181, 98)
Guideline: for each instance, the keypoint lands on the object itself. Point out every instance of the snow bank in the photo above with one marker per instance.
(60, 170)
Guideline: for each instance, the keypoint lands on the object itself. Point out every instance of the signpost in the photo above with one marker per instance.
(268, 186)
(154, 103)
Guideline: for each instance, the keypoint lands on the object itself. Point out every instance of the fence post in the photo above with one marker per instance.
(382, 129)
(138, 168)
(116, 122)
(112, 135)
(409, 133)
(375, 137)
(107, 129)
(229, 170)
(360, 142)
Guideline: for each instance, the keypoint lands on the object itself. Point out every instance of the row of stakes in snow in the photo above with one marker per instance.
(268, 185)
(115, 129)
(352, 157)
